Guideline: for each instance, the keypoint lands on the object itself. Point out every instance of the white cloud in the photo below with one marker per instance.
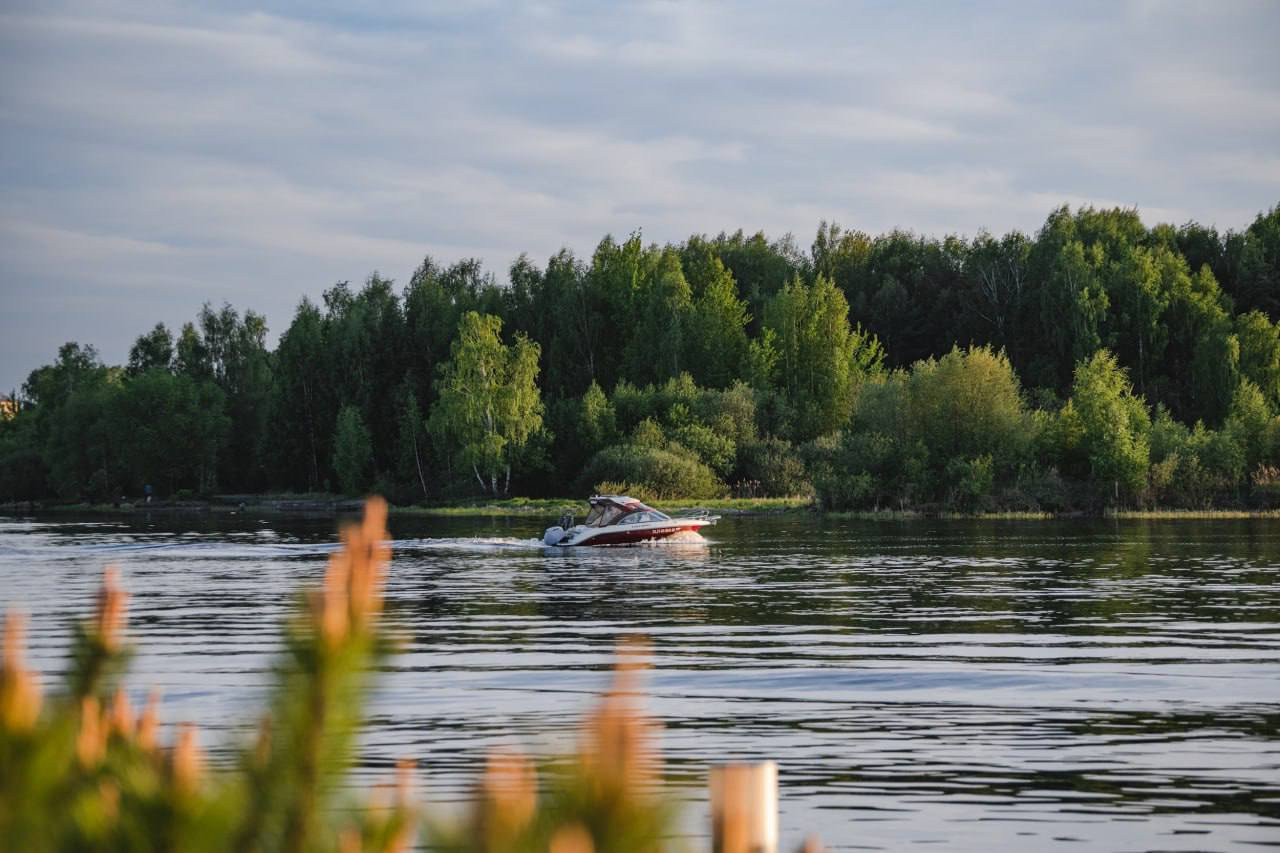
(1206, 97)
(1246, 167)
(859, 124)
(170, 154)
(255, 42)
(37, 240)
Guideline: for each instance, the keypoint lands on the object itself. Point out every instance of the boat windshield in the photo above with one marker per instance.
(644, 516)
(602, 515)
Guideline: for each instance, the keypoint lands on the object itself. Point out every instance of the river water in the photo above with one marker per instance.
(960, 684)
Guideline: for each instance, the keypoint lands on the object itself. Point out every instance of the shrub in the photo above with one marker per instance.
(1248, 422)
(965, 406)
(641, 493)
(968, 404)
(1059, 441)
(864, 470)
(1265, 480)
(777, 469)
(712, 423)
(1114, 421)
(667, 473)
(714, 448)
(631, 405)
(596, 419)
(648, 434)
(970, 480)
(731, 413)
(837, 490)
(1195, 465)
(1039, 489)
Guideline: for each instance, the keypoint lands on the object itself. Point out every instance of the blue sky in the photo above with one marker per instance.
(155, 155)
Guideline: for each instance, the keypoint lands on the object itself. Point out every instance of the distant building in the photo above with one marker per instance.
(8, 408)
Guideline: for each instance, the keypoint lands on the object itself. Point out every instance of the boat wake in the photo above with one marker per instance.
(202, 550)
(684, 537)
(494, 543)
(688, 538)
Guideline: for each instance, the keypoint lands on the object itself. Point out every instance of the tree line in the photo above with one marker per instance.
(1097, 362)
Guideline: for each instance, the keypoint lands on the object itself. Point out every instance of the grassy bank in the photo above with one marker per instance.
(327, 503)
(1118, 514)
(555, 506)
(1130, 514)
(225, 504)
(320, 503)
(913, 514)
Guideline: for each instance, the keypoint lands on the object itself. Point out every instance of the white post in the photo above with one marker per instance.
(744, 808)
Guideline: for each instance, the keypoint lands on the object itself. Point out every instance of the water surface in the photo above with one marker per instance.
(1000, 685)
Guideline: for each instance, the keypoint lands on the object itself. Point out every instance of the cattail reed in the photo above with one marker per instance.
(109, 623)
(618, 745)
(186, 762)
(19, 689)
(91, 742)
(148, 722)
(507, 798)
(572, 839)
(120, 715)
(352, 591)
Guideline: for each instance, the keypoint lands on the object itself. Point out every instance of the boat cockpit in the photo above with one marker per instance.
(605, 513)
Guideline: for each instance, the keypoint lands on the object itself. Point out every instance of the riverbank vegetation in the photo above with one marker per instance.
(1098, 364)
(85, 771)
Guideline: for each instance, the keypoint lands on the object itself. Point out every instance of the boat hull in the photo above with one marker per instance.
(634, 534)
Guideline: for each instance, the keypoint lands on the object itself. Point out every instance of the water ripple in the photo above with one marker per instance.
(1014, 685)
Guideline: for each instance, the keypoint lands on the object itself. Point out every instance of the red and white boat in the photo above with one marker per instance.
(620, 520)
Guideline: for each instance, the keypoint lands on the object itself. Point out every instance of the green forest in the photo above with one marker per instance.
(1099, 363)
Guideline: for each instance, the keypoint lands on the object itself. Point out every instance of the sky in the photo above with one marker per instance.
(158, 155)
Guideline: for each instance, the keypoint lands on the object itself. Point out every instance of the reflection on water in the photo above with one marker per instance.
(1012, 685)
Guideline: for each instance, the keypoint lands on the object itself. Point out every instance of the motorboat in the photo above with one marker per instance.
(622, 520)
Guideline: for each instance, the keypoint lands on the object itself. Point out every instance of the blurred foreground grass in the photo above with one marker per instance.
(84, 771)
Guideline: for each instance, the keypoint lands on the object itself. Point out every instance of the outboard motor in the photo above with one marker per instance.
(555, 535)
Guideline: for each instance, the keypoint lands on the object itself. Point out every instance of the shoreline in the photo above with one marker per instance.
(1105, 515)
(310, 505)
(321, 505)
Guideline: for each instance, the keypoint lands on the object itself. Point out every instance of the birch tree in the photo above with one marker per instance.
(488, 401)
(821, 358)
